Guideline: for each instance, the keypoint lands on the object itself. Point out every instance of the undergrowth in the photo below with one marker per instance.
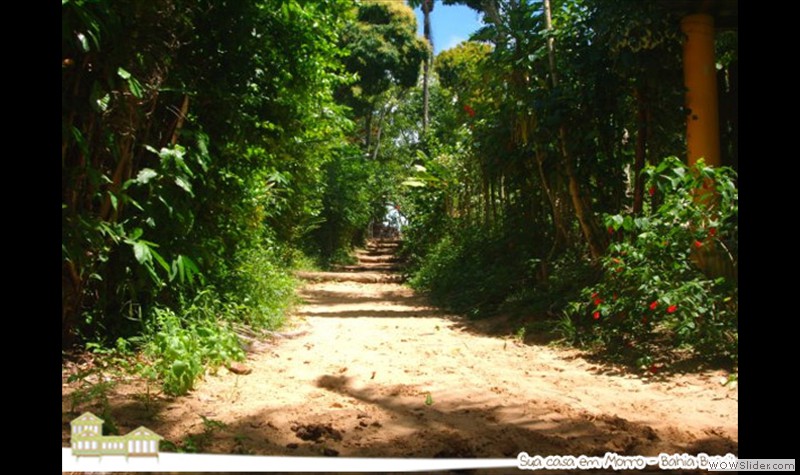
(669, 280)
(667, 284)
(177, 344)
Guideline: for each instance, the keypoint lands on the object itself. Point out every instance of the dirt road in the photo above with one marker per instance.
(371, 370)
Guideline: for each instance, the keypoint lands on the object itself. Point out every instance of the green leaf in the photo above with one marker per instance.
(141, 252)
(177, 270)
(136, 88)
(413, 182)
(121, 72)
(179, 367)
(145, 175)
(428, 399)
(101, 103)
(160, 260)
(627, 223)
(84, 42)
(135, 234)
(185, 270)
(184, 184)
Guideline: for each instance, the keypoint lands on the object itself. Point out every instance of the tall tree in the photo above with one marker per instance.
(591, 230)
(384, 53)
(427, 9)
(384, 59)
(192, 133)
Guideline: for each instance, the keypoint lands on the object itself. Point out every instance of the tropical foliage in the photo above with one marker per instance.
(203, 145)
(208, 146)
(551, 124)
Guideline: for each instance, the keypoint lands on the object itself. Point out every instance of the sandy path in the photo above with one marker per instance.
(356, 384)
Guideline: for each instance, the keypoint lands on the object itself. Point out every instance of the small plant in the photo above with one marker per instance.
(263, 290)
(195, 443)
(519, 336)
(239, 445)
(94, 393)
(181, 348)
(732, 380)
(89, 392)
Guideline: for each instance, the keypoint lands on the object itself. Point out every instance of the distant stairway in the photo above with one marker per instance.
(377, 263)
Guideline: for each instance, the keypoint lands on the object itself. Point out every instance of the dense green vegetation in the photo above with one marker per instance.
(545, 166)
(208, 147)
(204, 145)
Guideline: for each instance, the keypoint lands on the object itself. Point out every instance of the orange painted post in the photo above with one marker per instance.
(702, 126)
(700, 78)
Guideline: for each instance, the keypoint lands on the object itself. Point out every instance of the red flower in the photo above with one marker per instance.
(596, 315)
(610, 230)
(615, 296)
(712, 232)
(598, 301)
(672, 308)
(653, 368)
(654, 304)
(469, 110)
(594, 295)
(698, 244)
(652, 190)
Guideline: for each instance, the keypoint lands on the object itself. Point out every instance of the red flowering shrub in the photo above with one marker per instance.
(653, 272)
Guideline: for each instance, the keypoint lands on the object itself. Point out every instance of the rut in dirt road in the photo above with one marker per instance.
(370, 369)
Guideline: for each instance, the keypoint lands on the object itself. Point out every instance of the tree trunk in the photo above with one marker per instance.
(559, 229)
(368, 130)
(380, 130)
(595, 239)
(176, 130)
(427, 8)
(641, 150)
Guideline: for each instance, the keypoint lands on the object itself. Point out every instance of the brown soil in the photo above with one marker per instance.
(370, 370)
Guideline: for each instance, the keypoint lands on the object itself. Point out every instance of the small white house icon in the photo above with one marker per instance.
(88, 439)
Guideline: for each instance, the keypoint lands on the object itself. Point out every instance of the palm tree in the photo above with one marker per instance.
(427, 8)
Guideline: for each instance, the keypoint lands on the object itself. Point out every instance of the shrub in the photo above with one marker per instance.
(183, 345)
(669, 279)
(262, 288)
(471, 272)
